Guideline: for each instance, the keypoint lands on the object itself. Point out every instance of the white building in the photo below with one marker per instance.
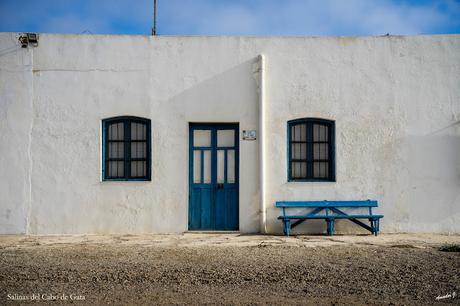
(394, 102)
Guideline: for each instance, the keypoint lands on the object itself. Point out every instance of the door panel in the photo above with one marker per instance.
(213, 176)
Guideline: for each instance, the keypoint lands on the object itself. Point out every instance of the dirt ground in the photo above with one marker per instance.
(197, 268)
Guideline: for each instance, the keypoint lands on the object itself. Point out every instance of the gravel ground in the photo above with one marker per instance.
(228, 269)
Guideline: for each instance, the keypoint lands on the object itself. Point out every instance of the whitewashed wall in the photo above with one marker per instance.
(16, 95)
(396, 103)
(395, 100)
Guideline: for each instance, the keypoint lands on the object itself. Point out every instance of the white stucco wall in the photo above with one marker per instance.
(395, 100)
(16, 94)
(396, 103)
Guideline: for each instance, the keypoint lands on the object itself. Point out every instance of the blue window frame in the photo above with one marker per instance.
(126, 150)
(311, 150)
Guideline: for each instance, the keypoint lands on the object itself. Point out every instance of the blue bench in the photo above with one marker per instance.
(331, 210)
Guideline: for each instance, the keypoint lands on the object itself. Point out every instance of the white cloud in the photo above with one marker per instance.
(306, 17)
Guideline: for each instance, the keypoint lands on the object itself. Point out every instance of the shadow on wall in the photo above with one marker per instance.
(425, 192)
(230, 96)
(419, 183)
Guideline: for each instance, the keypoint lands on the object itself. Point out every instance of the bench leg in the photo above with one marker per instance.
(287, 227)
(330, 227)
(374, 226)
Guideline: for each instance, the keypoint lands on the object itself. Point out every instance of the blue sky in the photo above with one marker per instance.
(232, 17)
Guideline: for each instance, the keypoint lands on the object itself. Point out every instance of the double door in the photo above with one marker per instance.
(213, 176)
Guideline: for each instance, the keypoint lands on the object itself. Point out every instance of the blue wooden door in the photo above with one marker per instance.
(213, 176)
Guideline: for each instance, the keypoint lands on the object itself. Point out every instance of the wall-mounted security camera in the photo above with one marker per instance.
(26, 39)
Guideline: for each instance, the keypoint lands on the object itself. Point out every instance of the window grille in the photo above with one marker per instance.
(311, 150)
(126, 149)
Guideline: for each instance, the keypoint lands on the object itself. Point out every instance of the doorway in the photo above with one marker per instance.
(213, 176)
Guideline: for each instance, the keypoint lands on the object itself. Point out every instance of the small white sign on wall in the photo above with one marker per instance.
(249, 134)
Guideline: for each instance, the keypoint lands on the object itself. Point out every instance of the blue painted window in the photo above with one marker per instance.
(126, 151)
(311, 150)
